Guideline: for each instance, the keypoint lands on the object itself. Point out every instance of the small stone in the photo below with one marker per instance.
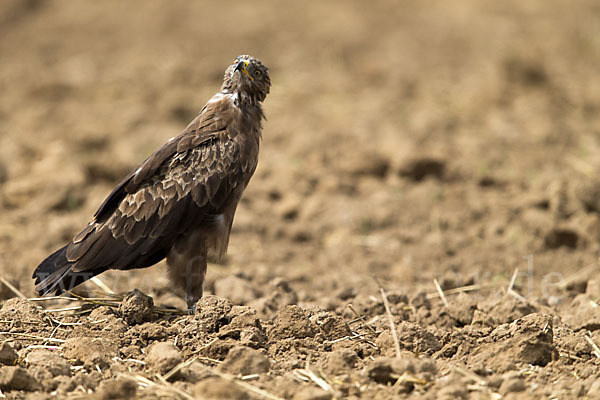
(136, 307)
(512, 385)
(163, 357)
(49, 362)
(245, 361)
(8, 356)
(292, 322)
(17, 378)
(238, 290)
(312, 393)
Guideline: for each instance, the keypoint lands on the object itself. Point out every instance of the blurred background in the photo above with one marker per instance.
(408, 140)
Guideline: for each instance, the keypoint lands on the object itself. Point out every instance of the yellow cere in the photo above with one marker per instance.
(246, 71)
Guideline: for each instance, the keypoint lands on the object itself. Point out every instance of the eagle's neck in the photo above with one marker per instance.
(250, 110)
(243, 98)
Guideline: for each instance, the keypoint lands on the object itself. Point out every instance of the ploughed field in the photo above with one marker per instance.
(407, 146)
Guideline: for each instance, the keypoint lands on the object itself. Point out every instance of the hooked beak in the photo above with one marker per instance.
(241, 66)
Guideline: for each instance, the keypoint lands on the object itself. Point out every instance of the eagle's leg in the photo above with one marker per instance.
(187, 269)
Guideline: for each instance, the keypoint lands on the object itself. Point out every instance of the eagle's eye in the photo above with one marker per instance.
(237, 60)
(257, 73)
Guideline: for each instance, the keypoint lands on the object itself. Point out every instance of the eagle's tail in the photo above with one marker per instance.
(54, 274)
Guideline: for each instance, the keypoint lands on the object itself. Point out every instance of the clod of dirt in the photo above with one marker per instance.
(105, 170)
(561, 238)
(279, 294)
(589, 195)
(342, 360)
(49, 362)
(212, 312)
(114, 389)
(453, 391)
(528, 340)
(163, 357)
(21, 310)
(412, 337)
(3, 173)
(386, 370)
(292, 322)
(17, 378)
(501, 311)
(5, 292)
(214, 388)
(332, 326)
(488, 181)
(525, 72)
(584, 314)
(90, 352)
(592, 288)
(421, 168)
(238, 290)
(150, 331)
(110, 321)
(369, 164)
(245, 326)
(534, 334)
(8, 356)
(512, 385)
(243, 317)
(577, 285)
(462, 309)
(312, 393)
(245, 361)
(136, 307)
(288, 208)
(594, 390)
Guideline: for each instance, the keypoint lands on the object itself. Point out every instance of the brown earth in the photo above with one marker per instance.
(406, 142)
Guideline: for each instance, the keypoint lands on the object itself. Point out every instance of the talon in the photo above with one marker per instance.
(191, 304)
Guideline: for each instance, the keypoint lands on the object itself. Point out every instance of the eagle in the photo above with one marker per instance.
(180, 202)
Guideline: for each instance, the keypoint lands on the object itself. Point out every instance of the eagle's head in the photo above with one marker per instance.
(248, 77)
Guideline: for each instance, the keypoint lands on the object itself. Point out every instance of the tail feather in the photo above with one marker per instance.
(54, 274)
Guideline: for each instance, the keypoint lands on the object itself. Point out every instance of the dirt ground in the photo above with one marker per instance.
(406, 142)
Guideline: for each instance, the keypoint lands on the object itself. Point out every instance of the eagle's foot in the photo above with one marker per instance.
(191, 304)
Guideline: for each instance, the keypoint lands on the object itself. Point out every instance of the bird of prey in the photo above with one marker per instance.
(180, 202)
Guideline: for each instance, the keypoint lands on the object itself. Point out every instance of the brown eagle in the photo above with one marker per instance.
(180, 202)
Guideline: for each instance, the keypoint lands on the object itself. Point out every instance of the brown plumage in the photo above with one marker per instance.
(180, 202)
